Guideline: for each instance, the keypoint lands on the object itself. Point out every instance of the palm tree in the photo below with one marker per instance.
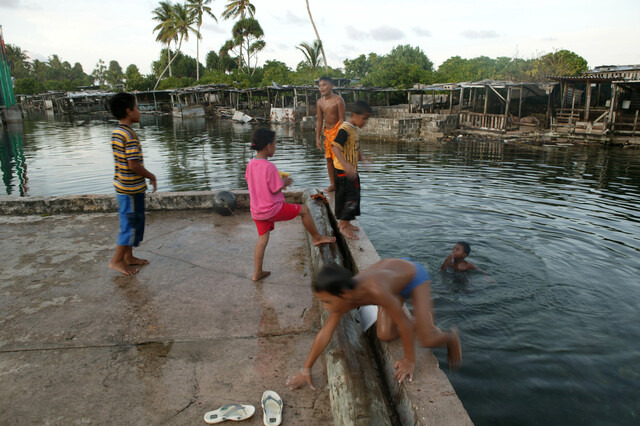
(326, 69)
(247, 36)
(166, 28)
(311, 53)
(199, 8)
(239, 9)
(181, 23)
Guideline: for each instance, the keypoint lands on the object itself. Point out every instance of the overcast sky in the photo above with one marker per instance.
(604, 33)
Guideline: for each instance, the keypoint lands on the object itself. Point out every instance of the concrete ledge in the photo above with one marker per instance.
(430, 399)
(357, 397)
(105, 203)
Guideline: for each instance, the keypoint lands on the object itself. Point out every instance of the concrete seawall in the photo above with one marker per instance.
(355, 361)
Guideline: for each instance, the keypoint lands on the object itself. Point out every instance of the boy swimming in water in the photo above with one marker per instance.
(387, 283)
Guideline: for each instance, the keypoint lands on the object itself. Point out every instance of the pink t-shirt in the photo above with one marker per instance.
(263, 180)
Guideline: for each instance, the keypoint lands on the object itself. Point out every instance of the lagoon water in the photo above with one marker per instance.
(552, 337)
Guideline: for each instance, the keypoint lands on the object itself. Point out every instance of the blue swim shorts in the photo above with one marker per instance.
(419, 278)
(131, 211)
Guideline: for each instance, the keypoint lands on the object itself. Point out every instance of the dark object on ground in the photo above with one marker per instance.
(225, 203)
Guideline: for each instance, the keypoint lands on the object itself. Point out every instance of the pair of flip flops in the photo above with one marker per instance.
(271, 406)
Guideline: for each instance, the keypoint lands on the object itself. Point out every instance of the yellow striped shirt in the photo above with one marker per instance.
(126, 146)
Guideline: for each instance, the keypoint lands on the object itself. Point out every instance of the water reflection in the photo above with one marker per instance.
(12, 159)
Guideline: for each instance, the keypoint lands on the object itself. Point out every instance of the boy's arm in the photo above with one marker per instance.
(319, 125)
(348, 167)
(341, 109)
(404, 367)
(447, 262)
(140, 170)
(319, 344)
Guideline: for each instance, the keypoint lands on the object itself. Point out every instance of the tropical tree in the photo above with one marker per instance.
(246, 42)
(560, 62)
(166, 28)
(181, 22)
(317, 37)
(114, 73)
(18, 61)
(238, 9)
(311, 53)
(100, 72)
(198, 9)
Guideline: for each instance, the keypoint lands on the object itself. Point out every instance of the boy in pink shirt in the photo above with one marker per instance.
(267, 200)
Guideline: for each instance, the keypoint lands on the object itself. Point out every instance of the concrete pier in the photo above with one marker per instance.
(190, 332)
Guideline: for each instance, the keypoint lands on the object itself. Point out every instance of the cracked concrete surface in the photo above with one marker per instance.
(80, 343)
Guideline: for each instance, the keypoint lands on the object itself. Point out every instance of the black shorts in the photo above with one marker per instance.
(347, 196)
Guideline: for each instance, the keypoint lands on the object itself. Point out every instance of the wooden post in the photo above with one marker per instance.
(506, 109)
(548, 114)
(486, 99)
(461, 98)
(450, 101)
(635, 124)
(587, 103)
(422, 101)
(610, 119)
(520, 103)
(433, 100)
(306, 101)
(573, 104)
(564, 93)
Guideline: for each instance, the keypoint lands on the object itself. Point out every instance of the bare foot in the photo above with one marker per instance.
(348, 232)
(136, 261)
(123, 268)
(323, 239)
(261, 275)
(329, 189)
(454, 350)
(354, 228)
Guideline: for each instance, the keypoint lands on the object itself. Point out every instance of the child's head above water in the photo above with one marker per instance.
(334, 279)
(261, 138)
(466, 248)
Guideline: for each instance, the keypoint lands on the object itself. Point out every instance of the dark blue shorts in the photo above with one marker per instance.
(131, 211)
(419, 278)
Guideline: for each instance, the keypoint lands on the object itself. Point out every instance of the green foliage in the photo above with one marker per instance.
(18, 61)
(402, 68)
(561, 62)
(182, 65)
(114, 73)
(176, 83)
(312, 53)
(28, 86)
(275, 71)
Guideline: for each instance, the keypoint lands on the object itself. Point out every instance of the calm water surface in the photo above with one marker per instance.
(552, 338)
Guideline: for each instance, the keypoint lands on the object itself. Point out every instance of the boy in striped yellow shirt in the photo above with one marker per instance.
(129, 182)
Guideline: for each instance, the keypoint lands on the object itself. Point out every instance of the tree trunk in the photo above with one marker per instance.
(198, 55)
(169, 64)
(326, 69)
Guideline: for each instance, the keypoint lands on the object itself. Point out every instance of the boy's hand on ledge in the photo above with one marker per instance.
(299, 380)
(404, 368)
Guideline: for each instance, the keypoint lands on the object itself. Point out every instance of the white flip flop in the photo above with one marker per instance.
(235, 412)
(272, 408)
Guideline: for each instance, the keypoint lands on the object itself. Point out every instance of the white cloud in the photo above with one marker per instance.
(354, 34)
(386, 33)
(480, 34)
(421, 32)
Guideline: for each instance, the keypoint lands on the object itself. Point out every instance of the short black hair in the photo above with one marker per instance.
(327, 79)
(465, 247)
(361, 107)
(334, 279)
(120, 103)
(261, 138)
